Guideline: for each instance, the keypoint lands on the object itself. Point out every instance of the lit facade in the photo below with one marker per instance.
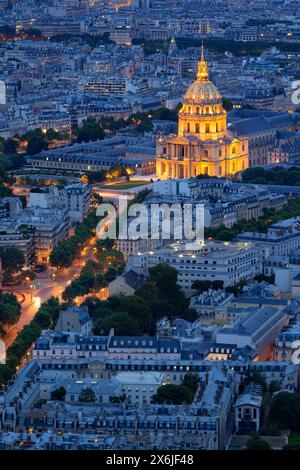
(203, 144)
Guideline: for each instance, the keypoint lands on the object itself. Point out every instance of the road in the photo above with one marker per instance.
(48, 288)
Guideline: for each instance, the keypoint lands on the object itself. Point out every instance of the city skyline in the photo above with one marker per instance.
(149, 228)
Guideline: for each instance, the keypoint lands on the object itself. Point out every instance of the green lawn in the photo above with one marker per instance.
(126, 184)
(294, 439)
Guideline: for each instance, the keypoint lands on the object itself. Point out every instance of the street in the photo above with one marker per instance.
(49, 287)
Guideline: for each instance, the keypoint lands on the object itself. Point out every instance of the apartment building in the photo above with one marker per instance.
(227, 262)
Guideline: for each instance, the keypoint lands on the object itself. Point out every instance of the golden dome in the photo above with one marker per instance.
(202, 91)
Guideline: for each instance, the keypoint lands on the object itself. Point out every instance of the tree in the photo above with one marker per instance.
(122, 323)
(52, 134)
(59, 394)
(87, 395)
(256, 378)
(217, 284)
(139, 312)
(90, 131)
(227, 104)
(285, 411)
(191, 381)
(12, 260)
(10, 310)
(10, 146)
(173, 394)
(96, 176)
(201, 286)
(256, 443)
(105, 245)
(163, 294)
(36, 144)
(237, 288)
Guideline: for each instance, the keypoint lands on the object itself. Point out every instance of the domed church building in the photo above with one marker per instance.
(203, 144)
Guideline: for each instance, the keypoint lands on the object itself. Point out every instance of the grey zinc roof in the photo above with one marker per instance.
(250, 126)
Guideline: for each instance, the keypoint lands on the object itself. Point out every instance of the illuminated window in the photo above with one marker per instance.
(207, 129)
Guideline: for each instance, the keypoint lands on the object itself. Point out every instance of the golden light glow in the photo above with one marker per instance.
(203, 144)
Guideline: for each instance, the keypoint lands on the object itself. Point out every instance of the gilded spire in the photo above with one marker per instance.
(202, 74)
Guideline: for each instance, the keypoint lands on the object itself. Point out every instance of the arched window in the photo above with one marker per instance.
(197, 128)
(188, 127)
(197, 110)
(207, 110)
(207, 129)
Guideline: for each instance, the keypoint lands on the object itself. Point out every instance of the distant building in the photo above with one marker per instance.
(281, 239)
(78, 201)
(288, 343)
(258, 330)
(248, 410)
(74, 320)
(203, 144)
(139, 387)
(227, 262)
(126, 284)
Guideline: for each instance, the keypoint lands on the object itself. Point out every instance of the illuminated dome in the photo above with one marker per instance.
(202, 91)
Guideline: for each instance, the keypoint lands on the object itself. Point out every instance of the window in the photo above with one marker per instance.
(207, 129)
(197, 128)
(188, 127)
